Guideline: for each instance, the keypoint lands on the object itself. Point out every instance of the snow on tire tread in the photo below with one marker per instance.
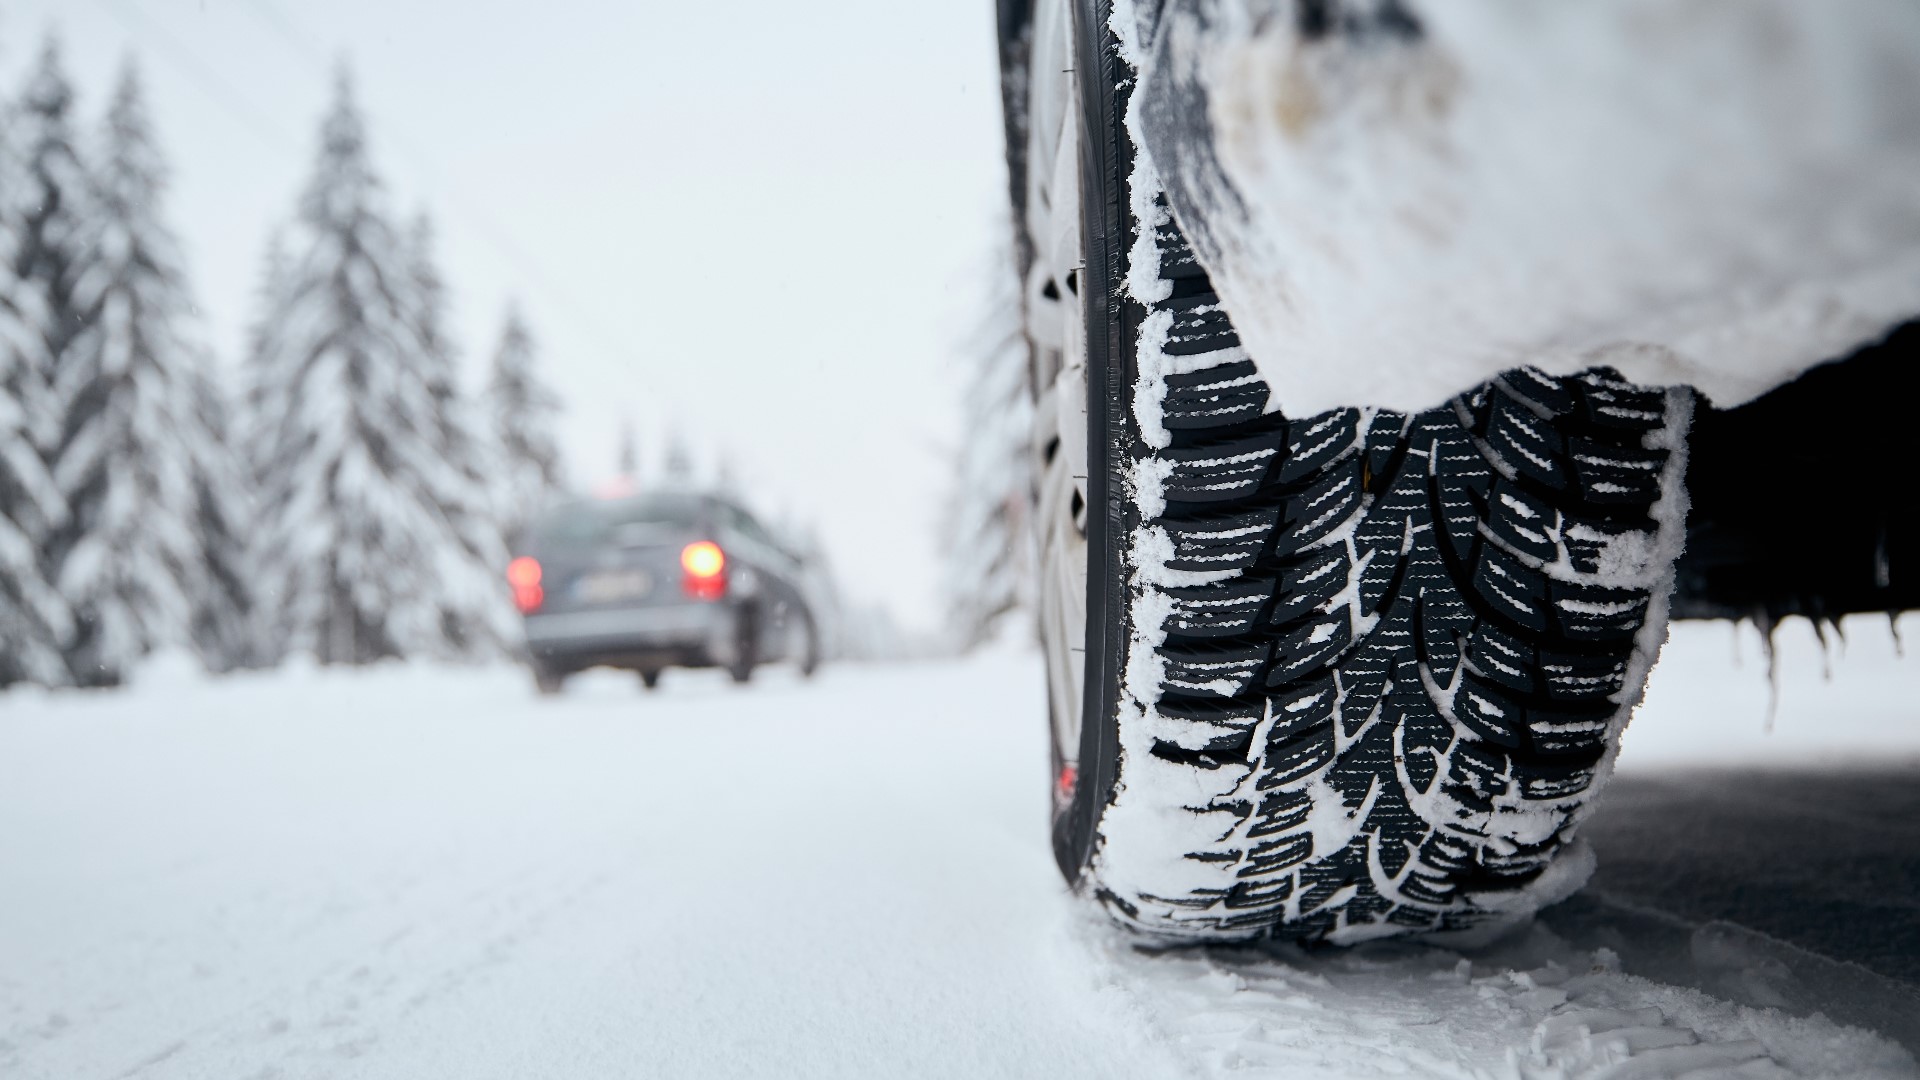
(1380, 660)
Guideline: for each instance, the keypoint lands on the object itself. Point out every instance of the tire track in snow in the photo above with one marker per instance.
(425, 951)
(1530, 1007)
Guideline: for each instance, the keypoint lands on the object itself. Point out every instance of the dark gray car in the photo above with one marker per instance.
(647, 582)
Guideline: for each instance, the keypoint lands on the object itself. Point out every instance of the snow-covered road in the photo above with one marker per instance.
(417, 872)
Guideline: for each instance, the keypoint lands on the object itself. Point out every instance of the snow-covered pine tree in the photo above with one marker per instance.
(361, 548)
(132, 452)
(523, 412)
(988, 551)
(222, 601)
(34, 618)
(51, 201)
(471, 624)
(248, 428)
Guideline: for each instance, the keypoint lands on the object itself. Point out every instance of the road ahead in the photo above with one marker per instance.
(426, 872)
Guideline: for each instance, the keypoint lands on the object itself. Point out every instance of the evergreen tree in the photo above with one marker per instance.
(34, 618)
(222, 601)
(133, 450)
(463, 494)
(523, 412)
(364, 548)
(51, 203)
(247, 423)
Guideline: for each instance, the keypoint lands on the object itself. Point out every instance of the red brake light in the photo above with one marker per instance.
(523, 574)
(706, 568)
(703, 558)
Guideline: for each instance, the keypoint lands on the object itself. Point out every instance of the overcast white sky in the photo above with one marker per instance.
(763, 224)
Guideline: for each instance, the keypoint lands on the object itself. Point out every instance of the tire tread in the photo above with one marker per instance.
(1406, 612)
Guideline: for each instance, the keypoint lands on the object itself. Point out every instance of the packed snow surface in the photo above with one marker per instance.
(1693, 191)
(431, 872)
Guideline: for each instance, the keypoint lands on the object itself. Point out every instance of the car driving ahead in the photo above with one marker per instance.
(652, 581)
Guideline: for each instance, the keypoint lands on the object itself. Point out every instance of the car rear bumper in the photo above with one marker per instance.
(678, 634)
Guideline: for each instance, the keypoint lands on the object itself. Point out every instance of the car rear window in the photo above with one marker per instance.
(587, 523)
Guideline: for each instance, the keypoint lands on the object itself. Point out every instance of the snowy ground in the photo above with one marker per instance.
(427, 873)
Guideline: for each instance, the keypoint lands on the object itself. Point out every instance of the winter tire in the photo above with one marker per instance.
(650, 678)
(1327, 677)
(810, 648)
(746, 648)
(547, 679)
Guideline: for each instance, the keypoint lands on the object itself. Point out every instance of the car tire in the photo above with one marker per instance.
(810, 647)
(650, 678)
(547, 679)
(1337, 676)
(746, 645)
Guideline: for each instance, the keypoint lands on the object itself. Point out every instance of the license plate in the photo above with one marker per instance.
(610, 585)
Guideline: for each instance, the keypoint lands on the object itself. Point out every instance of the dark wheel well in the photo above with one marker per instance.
(1804, 499)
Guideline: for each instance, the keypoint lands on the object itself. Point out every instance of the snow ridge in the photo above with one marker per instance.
(1531, 1008)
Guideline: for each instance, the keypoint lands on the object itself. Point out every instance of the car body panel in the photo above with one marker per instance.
(619, 627)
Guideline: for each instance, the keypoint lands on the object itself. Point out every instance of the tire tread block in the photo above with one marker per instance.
(1200, 326)
(1219, 609)
(1219, 471)
(1240, 714)
(1529, 444)
(1311, 516)
(1213, 670)
(1608, 400)
(1222, 396)
(1308, 584)
(1230, 539)
(1314, 443)
(1609, 473)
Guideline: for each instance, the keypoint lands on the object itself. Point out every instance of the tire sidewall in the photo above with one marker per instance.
(1112, 321)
